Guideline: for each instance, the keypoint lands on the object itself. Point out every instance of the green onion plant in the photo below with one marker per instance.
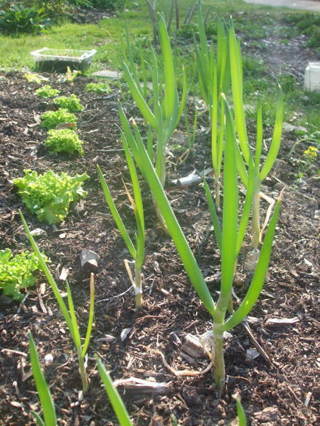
(212, 66)
(137, 250)
(166, 110)
(68, 309)
(113, 395)
(230, 235)
(47, 404)
(241, 414)
(262, 169)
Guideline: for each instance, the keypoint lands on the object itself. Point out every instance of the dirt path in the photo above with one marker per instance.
(312, 6)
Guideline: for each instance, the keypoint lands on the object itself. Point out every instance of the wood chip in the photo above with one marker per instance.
(143, 386)
(282, 321)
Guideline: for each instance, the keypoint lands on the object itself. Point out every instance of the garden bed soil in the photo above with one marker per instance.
(279, 384)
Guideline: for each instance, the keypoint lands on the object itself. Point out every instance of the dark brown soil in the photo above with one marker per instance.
(279, 387)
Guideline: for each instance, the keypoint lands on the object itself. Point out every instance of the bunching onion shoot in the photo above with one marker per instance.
(244, 156)
(113, 395)
(166, 110)
(241, 414)
(136, 250)
(46, 401)
(213, 74)
(217, 68)
(68, 310)
(229, 233)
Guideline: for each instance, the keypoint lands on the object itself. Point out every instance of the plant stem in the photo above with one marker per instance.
(219, 366)
(138, 286)
(83, 374)
(217, 191)
(256, 218)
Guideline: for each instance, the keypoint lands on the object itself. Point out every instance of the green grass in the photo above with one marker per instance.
(105, 37)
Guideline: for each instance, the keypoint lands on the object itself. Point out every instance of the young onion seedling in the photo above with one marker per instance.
(47, 404)
(68, 310)
(136, 250)
(115, 399)
(231, 235)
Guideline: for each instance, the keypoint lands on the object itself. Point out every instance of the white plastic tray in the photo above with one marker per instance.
(66, 55)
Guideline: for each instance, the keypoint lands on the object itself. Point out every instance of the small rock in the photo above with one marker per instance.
(251, 354)
(124, 334)
(290, 128)
(115, 75)
(37, 232)
(89, 261)
(48, 359)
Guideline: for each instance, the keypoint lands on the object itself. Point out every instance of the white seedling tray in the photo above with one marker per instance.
(46, 55)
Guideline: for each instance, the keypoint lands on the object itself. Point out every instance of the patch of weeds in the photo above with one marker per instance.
(308, 24)
(71, 103)
(49, 195)
(17, 272)
(17, 18)
(187, 33)
(255, 76)
(47, 92)
(51, 119)
(98, 87)
(64, 140)
(108, 4)
(287, 82)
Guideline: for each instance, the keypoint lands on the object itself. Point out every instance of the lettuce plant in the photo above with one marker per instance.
(70, 103)
(98, 87)
(51, 119)
(49, 195)
(17, 272)
(64, 140)
(47, 92)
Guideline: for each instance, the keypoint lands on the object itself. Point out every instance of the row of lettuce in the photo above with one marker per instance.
(48, 195)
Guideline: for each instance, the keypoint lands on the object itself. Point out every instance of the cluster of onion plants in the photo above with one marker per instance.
(232, 158)
(230, 234)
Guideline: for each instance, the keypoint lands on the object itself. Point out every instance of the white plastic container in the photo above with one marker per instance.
(59, 59)
(312, 77)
